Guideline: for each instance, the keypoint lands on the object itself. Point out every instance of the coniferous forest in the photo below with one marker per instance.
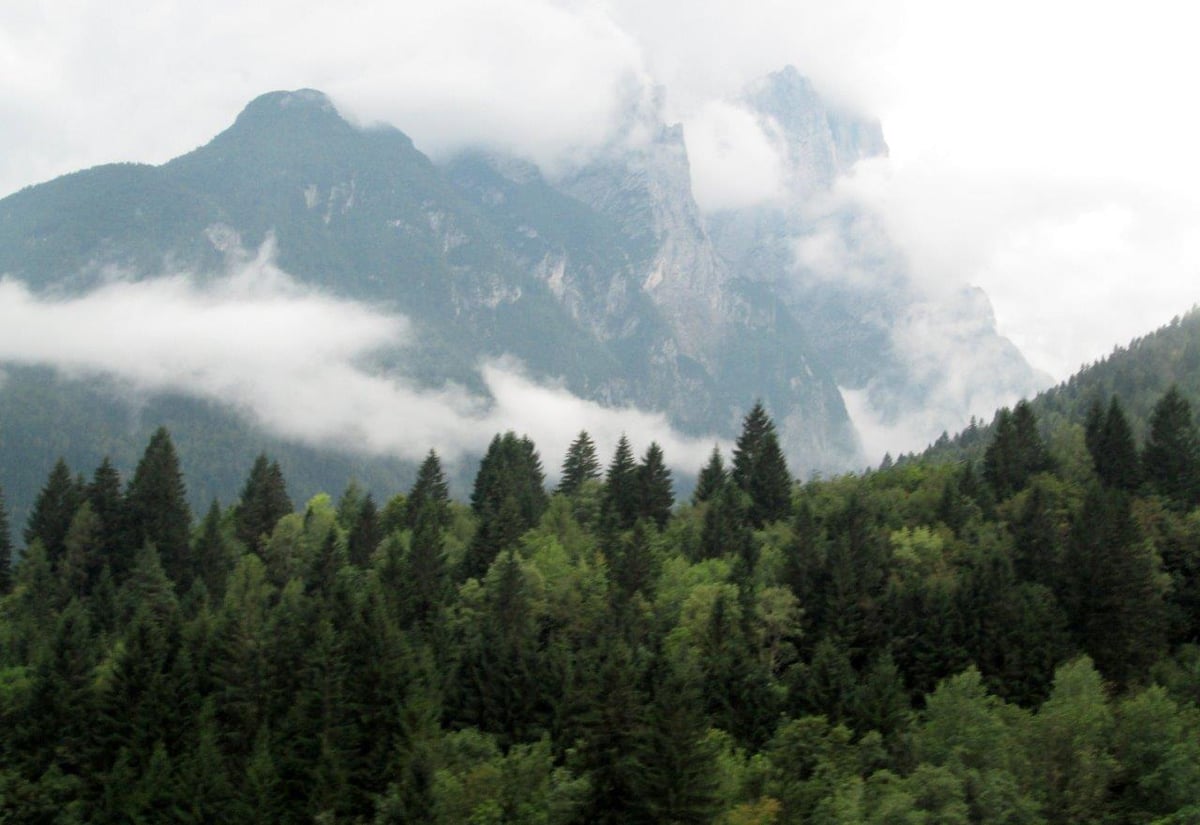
(1012, 639)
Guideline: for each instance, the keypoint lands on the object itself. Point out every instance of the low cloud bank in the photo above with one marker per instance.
(297, 362)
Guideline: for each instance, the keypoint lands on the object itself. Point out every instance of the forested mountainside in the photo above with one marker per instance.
(1010, 643)
(1138, 374)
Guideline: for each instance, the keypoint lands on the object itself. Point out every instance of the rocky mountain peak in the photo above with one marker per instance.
(818, 142)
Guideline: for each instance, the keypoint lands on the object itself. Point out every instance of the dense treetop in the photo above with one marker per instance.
(1008, 641)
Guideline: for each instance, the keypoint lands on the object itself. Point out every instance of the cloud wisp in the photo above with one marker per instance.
(296, 362)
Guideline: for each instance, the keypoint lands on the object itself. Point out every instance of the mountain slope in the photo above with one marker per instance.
(606, 285)
(1139, 374)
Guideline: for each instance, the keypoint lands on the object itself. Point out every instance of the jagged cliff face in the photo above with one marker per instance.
(914, 360)
(607, 279)
(604, 281)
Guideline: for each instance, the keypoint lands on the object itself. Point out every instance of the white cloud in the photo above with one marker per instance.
(734, 163)
(294, 360)
(1008, 125)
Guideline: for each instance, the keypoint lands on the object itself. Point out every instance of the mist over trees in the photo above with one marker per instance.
(1008, 641)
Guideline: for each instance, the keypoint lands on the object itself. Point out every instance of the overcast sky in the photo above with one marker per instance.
(1045, 151)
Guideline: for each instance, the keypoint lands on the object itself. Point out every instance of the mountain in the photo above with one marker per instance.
(607, 280)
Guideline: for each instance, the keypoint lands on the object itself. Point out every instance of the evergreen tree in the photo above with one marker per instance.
(211, 556)
(426, 577)
(429, 491)
(1115, 601)
(760, 470)
(264, 500)
(580, 464)
(499, 689)
(158, 511)
(1113, 451)
(1171, 456)
(1016, 453)
(364, 535)
(712, 478)
(52, 512)
(655, 497)
(508, 499)
(5, 549)
(619, 505)
(104, 494)
(681, 770)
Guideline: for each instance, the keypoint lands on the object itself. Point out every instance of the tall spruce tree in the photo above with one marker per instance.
(430, 490)
(1016, 453)
(1171, 456)
(619, 504)
(364, 534)
(1113, 451)
(5, 548)
(712, 478)
(156, 501)
(52, 512)
(1115, 597)
(104, 494)
(211, 556)
(760, 470)
(263, 502)
(508, 499)
(655, 496)
(579, 465)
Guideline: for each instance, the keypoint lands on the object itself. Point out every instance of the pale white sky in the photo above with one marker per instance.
(1045, 151)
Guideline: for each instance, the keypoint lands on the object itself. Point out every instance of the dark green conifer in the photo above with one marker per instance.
(158, 510)
(1114, 453)
(264, 500)
(1115, 600)
(365, 534)
(212, 556)
(1016, 453)
(712, 478)
(619, 504)
(430, 490)
(52, 512)
(425, 577)
(508, 499)
(104, 494)
(5, 548)
(655, 496)
(760, 470)
(580, 464)
(1171, 456)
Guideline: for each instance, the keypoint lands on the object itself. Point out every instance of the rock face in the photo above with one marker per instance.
(607, 280)
(914, 360)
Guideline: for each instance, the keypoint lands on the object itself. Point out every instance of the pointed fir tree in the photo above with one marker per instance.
(760, 470)
(211, 555)
(430, 491)
(365, 534)
(619, 503)
(158, 510)
(1016, 452)
(1115, 589)
(104, 494)
(1114, 453)
(712, 478)
(580, 464)
(655, 496)
(425, 577)
(508, 498)
(264, 500)
(52, 512)
(5, 548)
(1171, 455)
